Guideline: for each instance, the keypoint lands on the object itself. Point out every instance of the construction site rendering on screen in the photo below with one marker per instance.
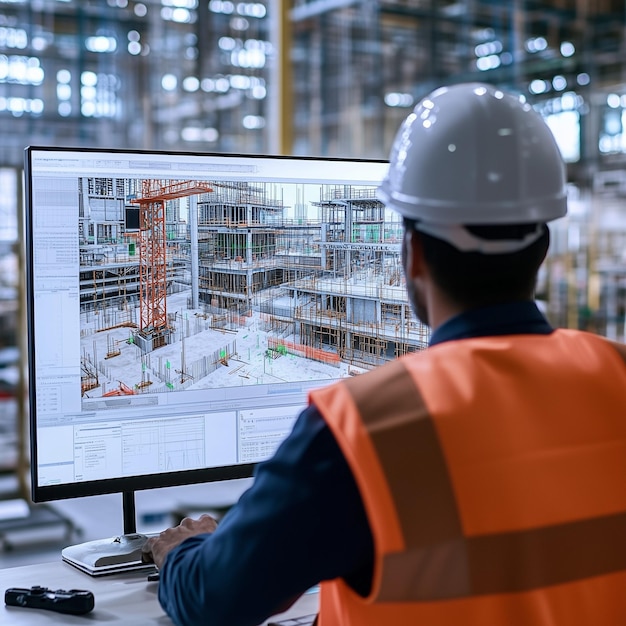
(189, 284)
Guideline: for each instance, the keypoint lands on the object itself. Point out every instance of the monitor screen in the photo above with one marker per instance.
(181, 306)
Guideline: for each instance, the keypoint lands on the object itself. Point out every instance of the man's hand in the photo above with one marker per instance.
(157, 548)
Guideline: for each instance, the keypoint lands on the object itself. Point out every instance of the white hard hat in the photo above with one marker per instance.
(470, 154)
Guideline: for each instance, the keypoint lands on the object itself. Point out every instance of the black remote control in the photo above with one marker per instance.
(74, 601)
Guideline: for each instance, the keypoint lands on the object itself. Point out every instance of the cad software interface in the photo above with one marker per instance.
(171, 297)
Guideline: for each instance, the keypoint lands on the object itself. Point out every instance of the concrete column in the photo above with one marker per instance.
(195, 261)
(249, 247)
(323, 239)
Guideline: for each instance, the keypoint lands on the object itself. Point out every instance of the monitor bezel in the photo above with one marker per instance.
(139, 482)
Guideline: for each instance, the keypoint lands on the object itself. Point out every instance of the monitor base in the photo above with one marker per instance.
(108, 556)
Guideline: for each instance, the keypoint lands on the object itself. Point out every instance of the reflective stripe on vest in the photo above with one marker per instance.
(480, 468)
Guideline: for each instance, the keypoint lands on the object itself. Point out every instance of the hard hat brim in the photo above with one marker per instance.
(528, 211)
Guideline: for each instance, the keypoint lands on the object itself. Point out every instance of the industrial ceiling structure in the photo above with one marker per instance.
(331, 77)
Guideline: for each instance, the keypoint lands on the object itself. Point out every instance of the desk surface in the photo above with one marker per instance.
(121, 598)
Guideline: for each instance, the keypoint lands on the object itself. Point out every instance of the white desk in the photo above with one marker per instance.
(122, 598)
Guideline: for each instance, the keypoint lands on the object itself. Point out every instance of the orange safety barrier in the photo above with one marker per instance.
(317, 354)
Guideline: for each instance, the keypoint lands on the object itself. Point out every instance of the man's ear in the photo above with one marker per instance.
(415, 265)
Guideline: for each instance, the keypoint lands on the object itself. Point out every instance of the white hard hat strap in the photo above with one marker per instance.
(458, 236)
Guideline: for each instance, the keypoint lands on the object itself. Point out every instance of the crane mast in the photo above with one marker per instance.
(153, 252)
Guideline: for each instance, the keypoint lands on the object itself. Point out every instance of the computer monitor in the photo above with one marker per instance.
(181, 306)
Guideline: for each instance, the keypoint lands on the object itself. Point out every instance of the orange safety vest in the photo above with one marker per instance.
(493, 474)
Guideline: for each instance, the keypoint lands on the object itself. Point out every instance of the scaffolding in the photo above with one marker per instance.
(320, 280)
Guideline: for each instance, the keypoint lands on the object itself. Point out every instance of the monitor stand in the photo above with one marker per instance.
(115, 554)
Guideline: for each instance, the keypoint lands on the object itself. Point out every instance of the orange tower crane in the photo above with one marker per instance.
(153, 249)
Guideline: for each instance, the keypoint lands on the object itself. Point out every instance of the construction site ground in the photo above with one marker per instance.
(122, 369)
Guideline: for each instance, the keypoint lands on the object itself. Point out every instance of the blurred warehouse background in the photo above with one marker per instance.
(318, 77)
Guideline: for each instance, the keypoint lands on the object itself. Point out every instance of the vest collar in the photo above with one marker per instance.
(511, 318)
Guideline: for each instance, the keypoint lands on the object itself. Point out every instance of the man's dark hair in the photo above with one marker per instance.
(473, 279)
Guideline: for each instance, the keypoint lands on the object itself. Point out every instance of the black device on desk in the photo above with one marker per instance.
(171, 300)
(71, 602)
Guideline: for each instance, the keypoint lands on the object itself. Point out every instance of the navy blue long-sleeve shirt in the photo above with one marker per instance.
(303, 520)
